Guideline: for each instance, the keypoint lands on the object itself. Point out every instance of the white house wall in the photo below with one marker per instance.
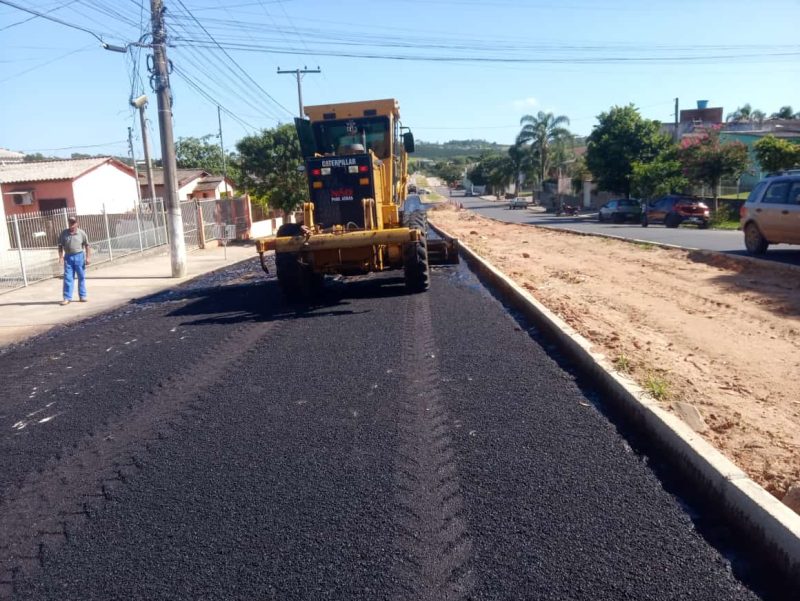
(4, 240)
(185, 191)
(106, 185)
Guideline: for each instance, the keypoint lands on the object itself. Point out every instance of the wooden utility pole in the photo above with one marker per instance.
(160, 83)
(299, 74)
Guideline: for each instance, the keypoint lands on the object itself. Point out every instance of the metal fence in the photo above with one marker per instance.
(29, 244)
(30, 247)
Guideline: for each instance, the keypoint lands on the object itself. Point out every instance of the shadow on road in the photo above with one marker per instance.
(258, 298)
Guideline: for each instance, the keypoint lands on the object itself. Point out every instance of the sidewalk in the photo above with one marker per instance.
(35, 309)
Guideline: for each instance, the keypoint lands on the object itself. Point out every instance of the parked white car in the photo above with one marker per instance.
(518, 203)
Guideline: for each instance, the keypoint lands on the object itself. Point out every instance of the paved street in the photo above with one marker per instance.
(687, 237)
(212, 442)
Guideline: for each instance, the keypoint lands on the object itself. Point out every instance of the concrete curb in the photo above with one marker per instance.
(768, 523)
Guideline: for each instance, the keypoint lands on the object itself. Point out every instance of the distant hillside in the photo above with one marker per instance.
(455, 148)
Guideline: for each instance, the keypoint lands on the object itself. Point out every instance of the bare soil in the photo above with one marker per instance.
(719, 334)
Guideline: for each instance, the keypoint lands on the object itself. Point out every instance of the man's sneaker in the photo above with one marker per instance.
(64, 302)
(85, 299)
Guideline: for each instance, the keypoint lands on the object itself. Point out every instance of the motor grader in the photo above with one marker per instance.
(359, 217)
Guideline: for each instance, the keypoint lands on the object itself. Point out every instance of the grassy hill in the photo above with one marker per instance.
(455, 149)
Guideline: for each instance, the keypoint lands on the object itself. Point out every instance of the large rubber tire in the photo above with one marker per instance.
(672, 220)
(417, 220)
(297, 281)
(415, 266)
(754, 240)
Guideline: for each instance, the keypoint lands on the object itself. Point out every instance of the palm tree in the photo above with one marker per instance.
(746, 114)
(542, 131)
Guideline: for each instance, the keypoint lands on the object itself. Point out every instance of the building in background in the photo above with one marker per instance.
(86, 185)
(192, 184)
(9, 157)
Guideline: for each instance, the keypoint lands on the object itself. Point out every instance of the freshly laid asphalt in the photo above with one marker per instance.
(213, 442)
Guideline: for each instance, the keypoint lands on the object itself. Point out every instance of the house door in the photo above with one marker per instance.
(52, 204)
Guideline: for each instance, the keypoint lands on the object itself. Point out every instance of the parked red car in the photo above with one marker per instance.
(672, 210)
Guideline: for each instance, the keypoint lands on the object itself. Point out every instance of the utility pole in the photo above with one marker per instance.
(222, 148)
(299, 74)
(135, 169)
(677, 122)
(140, 103)
(160, 83)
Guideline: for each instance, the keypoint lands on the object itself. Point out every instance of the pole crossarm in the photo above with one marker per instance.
(298, 73)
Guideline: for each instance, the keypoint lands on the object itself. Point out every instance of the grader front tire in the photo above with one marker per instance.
(415, 267)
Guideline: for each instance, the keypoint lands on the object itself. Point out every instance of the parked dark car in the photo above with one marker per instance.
(673, 210)
(619, 210)
(771, 214)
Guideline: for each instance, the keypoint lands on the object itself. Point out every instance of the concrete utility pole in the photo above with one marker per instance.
(299, 74)
(135, 170)
(160, 83)
(222, 148)
(140, 103)
(677, 122)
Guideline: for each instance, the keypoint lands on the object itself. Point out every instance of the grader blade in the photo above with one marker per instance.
(441, 251)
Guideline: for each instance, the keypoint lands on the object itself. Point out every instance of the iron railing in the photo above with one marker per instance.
(29, 242)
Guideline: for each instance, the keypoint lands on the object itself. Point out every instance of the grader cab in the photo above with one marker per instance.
(359, 217)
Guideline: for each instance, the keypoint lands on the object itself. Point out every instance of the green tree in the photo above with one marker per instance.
(500, 172)
(707, 160)
(621, 138)
(37, 157)
(785, 112)
(662, 175)
(205, 153)
(522, 164)
(269, 163)
(775, 154)
(542, 131)
(448, 171)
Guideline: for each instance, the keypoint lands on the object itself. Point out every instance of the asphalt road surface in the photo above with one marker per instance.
(215, 443)
(726, 241)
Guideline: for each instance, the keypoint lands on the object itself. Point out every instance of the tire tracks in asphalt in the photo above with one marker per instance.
(38, 517)
(434, 543)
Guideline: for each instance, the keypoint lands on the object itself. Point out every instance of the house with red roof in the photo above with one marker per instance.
(192, 184)
(87, 185)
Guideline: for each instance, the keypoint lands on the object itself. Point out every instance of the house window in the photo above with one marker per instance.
(52, 204)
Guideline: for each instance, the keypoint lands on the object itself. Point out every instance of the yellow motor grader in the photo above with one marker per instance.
(359, 218)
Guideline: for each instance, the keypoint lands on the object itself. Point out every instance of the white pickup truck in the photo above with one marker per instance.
(518, 203)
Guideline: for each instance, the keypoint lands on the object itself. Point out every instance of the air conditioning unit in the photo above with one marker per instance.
(23, 198)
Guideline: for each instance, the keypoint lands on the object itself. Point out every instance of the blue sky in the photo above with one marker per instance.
(461, 68)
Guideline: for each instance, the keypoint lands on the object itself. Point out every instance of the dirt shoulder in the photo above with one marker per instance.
(716, 334)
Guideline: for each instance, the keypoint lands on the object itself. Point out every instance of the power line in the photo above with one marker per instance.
(238, 66)
(199, 89)
(77, 147)
(59, 7)
(595, 60)
(53, 19)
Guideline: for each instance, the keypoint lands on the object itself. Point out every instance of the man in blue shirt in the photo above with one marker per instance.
(74, 253)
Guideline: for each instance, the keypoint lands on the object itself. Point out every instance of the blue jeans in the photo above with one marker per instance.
(74, 265)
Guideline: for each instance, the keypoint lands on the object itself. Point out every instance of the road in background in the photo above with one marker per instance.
(726, 241)
(214, 442)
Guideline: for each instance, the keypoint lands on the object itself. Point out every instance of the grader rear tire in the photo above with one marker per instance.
(297, 281)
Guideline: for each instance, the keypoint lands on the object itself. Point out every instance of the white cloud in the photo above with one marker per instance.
(526, 103)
